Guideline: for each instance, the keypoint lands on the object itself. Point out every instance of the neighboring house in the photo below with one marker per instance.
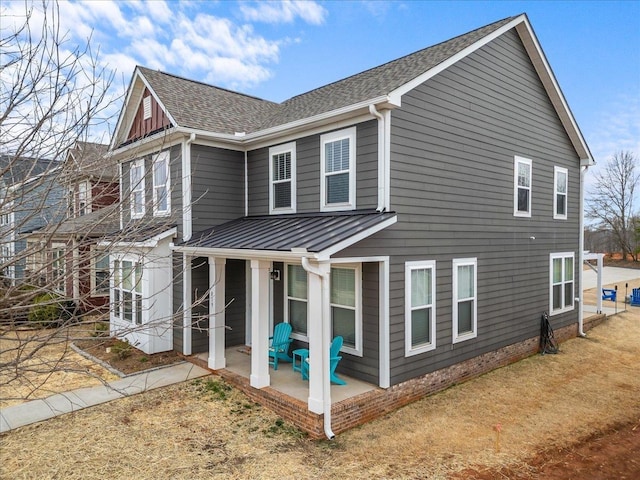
(427, 210)
(67, 252)
(30, 197)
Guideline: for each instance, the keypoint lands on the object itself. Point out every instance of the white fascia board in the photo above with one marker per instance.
(161, 140)
(396, 95)
(539, 60)
(347, 242)
(244, 254)
(149, 243)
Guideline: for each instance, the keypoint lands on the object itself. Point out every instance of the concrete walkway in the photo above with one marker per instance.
(74, 400)
(610, 275)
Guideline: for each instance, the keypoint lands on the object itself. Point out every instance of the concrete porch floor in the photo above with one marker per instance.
(285, 380)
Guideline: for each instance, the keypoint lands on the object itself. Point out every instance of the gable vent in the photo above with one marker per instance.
(146, 105)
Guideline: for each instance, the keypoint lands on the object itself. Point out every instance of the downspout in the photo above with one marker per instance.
(246, 185)
(381, 158)
(583, 171)
(326, 334)
(187, 225)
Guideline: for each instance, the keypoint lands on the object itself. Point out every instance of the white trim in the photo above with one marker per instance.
(163, 156)
(564, 308)
(409, 267)
(350, 204)
(516, 161)
(277, 150)
(556, 171)
(459, 262)
(138, 187)
(96, 252)
(285, 278)
(357, 268)
(187, 224)
(150, 242)
(384, 334)
(347, 242)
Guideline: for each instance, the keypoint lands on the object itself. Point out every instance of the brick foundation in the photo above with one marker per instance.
(368, 406)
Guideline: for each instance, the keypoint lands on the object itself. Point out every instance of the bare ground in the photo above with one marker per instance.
(571, 415)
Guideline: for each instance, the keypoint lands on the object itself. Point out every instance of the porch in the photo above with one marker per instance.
(284, 380)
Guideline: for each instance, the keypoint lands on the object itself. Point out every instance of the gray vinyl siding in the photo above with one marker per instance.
(452, 181)
(200, 305)
(236, 299)
(366, 367)
(217, 179)
(178, 303)
(308, 172)
(175, 182)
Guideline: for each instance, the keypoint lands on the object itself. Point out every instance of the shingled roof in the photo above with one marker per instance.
(200, 106)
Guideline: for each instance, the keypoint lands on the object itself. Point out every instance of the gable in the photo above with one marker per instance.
(148, 119)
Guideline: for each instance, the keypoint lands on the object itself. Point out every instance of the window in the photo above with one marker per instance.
(5, 259)
(560, 180)
(282, 174)
(346, 318)
(82, 199)
(58, 269)
(71, 204)
(561, 282)
(338, 172)
(136, 176)
(4, 219)
(100, 273)
(128, 290)
(161, 197)
(296, 302)
(522, 187)
(420, 311)
(146, 107)
(464, 299)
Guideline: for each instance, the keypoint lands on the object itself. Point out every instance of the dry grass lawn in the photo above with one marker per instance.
(204, 429)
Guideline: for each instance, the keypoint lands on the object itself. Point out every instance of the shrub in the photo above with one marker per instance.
(51, 311)
(100, 329)
(121, 349)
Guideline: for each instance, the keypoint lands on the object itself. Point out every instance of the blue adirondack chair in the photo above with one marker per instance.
(635, 297)
(334, 359)
(280, 343)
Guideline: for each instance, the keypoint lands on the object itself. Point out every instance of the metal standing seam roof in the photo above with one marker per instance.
(314, 232)
(204, 107)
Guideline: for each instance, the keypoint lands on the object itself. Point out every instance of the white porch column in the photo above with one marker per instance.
(317, 312)
(187, 302)
(216, 313)
(260, 324)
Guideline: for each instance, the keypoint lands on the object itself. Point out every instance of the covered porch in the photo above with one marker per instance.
(263, 248)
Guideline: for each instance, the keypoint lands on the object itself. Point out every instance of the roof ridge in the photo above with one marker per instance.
(190, 80)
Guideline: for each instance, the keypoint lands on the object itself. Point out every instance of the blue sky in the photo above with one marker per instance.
(275, 50)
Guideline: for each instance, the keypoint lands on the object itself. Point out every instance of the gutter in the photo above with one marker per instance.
(326, 334)
(583, 171)
(187, 225)
(381, 157)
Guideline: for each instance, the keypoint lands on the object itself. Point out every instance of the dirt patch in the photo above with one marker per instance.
(611, 454)
(124, 357)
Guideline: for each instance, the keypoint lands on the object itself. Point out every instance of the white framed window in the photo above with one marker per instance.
(338, 170)
(561, 282)
(296, 301)
(4, 219)
(5, 261)
(71, 204)
(346, 310)
(136, 176)
(146, 107)
(58, 268)
(83, 208)
(522, 168)
(99, 272)
(420, 306)
(465, 304)
(282, 178)
(127, 290)
(560, 181)
(161, 196)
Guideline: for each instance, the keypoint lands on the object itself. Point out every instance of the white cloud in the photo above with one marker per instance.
(285, 12)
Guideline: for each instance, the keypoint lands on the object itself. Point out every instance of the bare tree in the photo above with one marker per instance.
(53, 93)
(611, 201)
